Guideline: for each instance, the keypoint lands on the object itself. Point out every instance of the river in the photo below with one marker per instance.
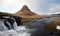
(33, 28)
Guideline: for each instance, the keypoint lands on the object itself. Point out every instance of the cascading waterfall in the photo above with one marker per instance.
(13, 31)
(2, 26)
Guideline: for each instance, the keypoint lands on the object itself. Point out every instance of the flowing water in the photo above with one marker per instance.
(15, 30)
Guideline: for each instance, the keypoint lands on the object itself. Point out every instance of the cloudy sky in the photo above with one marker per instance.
(37, 6)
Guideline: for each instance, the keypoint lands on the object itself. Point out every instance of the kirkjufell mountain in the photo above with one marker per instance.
(25, 12)
(27, 15)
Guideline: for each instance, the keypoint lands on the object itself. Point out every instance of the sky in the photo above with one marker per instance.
(41, 7)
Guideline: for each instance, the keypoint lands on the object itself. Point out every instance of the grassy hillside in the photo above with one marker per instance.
(51, 27)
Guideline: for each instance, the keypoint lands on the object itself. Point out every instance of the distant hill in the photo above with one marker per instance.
(55, 15)
(7, 14)
(2, 13)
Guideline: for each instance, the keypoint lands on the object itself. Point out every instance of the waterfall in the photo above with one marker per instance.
(13, 31)
(2, 26)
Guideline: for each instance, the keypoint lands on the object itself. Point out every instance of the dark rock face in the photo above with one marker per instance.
(18, 20)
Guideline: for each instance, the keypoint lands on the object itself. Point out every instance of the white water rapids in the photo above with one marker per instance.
(17, 31)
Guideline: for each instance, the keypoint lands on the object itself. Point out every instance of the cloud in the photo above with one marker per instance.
(5, 3)
(15, 5)
(11, 6)
(55, 9)
(20, 3)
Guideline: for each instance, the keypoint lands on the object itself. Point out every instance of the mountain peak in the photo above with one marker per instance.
(25, 11)
(25, 8)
